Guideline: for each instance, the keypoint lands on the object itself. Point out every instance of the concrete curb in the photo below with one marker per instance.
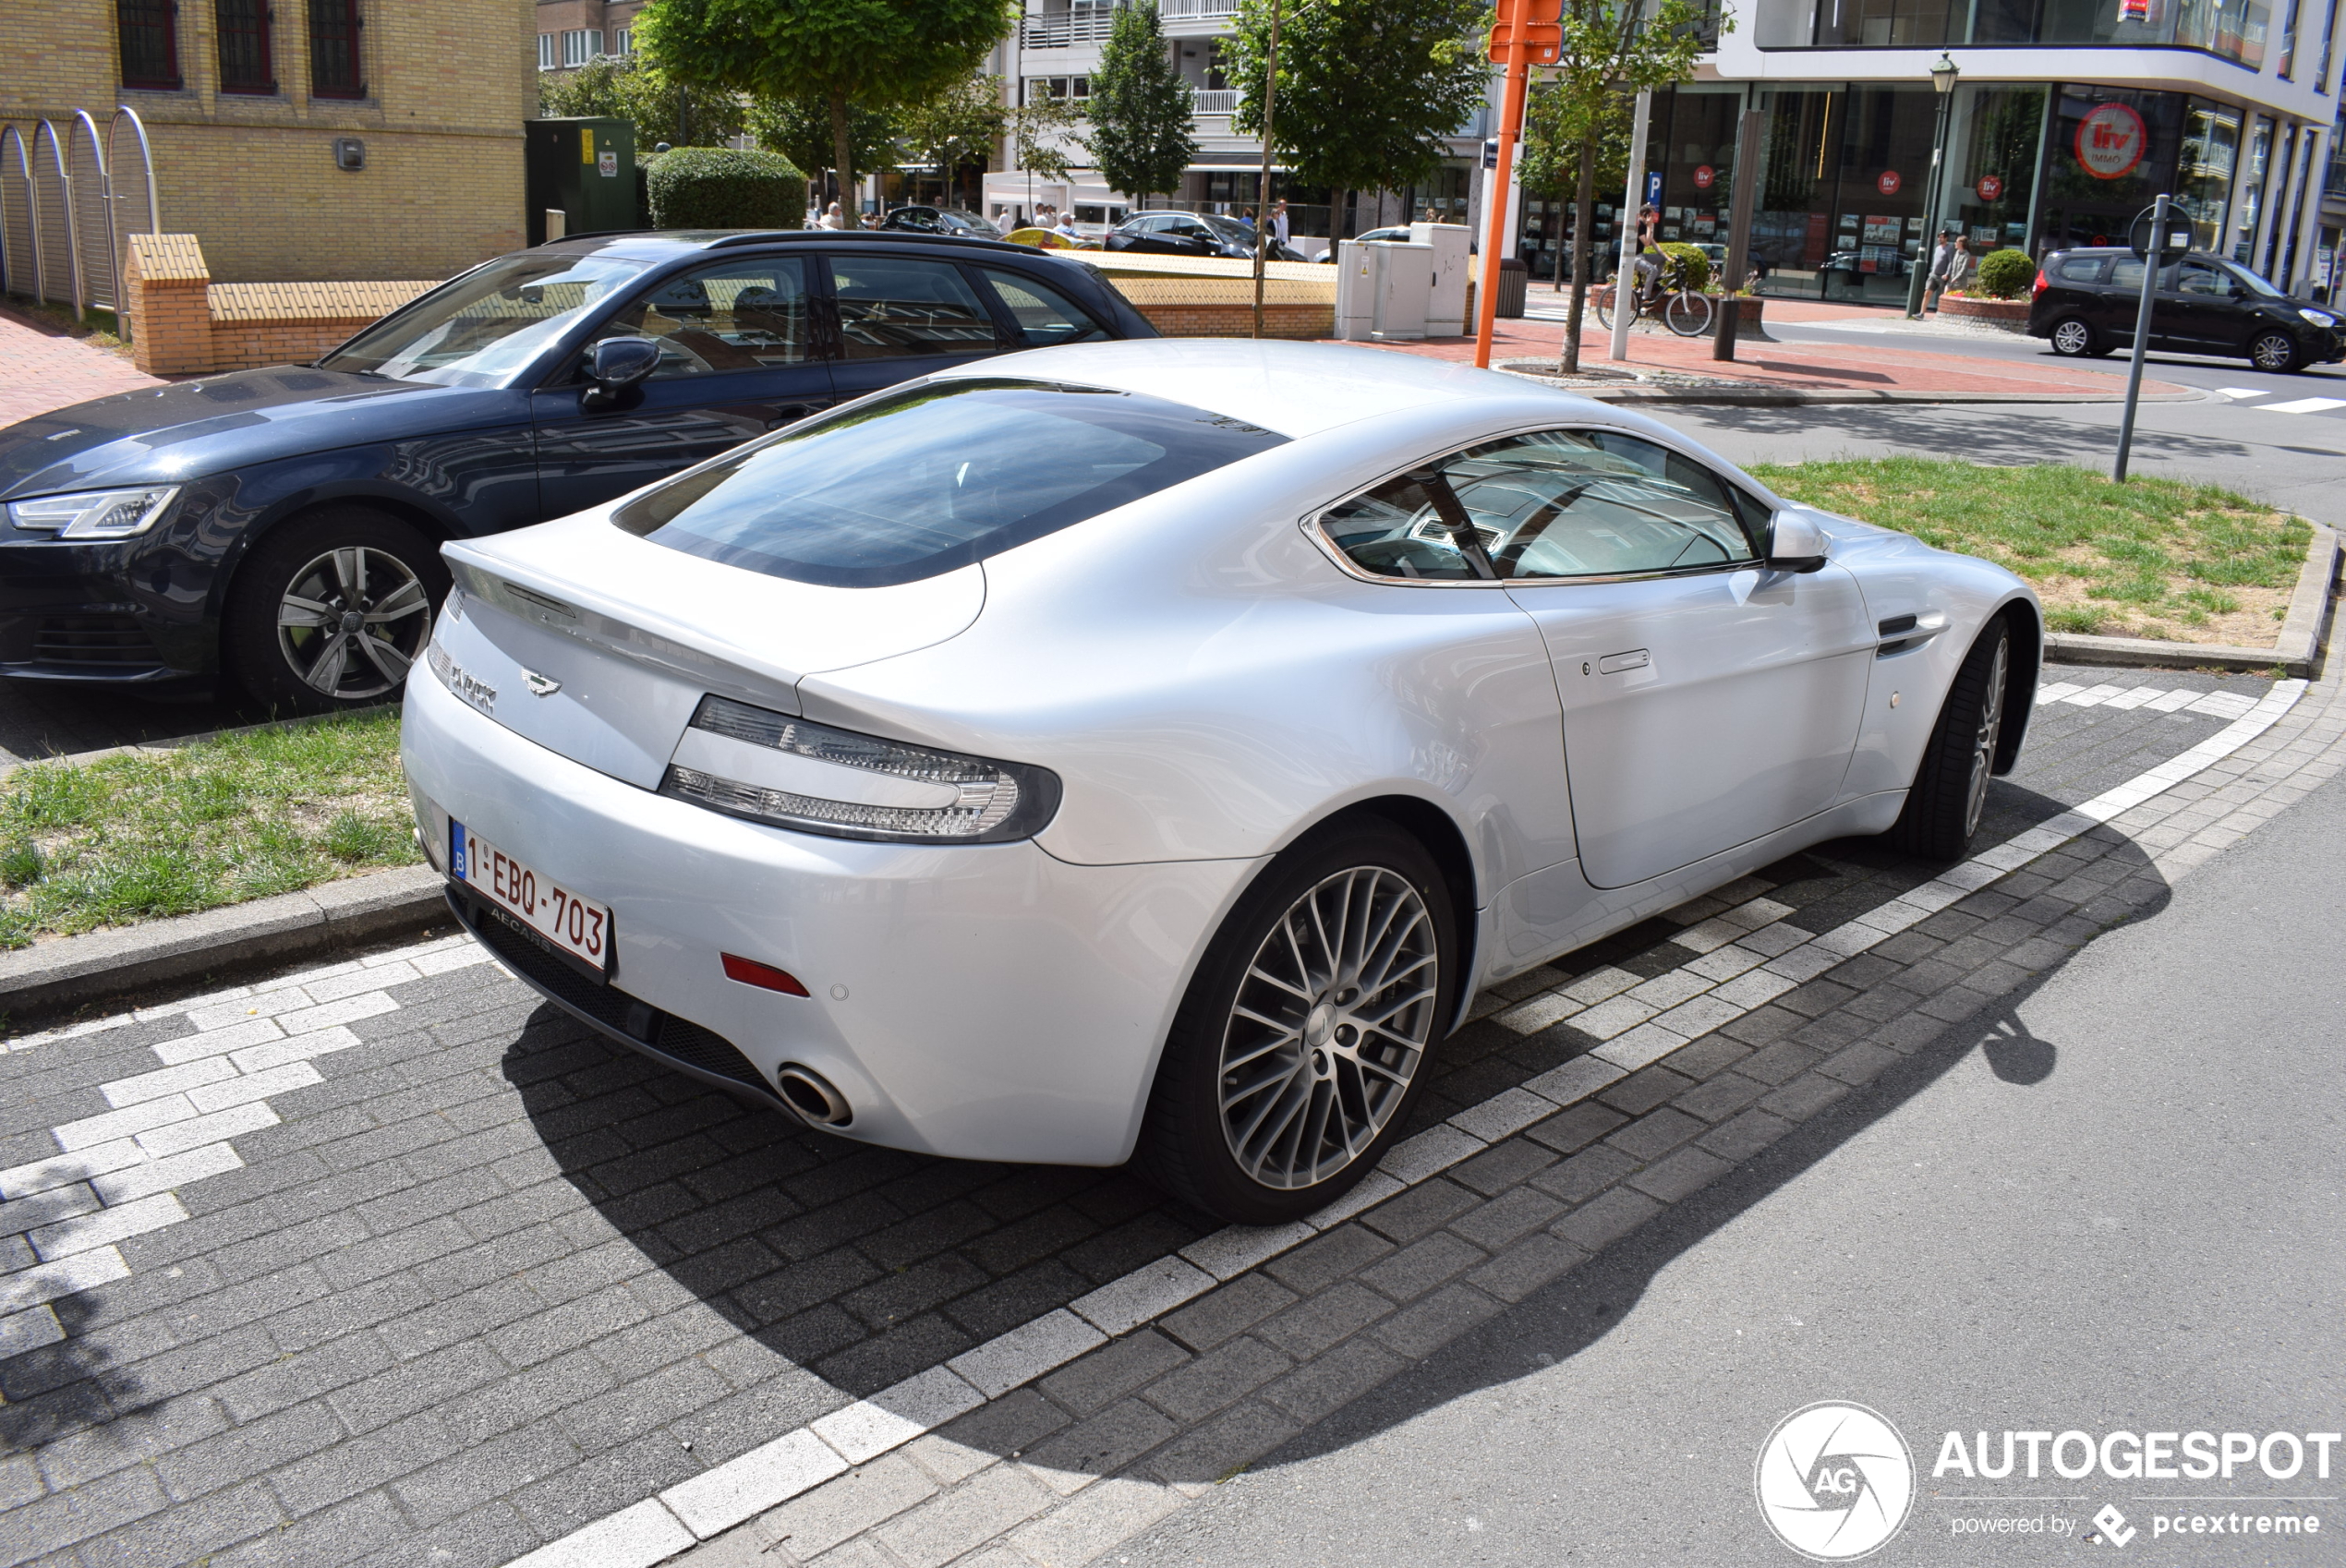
(53, 977)
(2297, 651)
(1752, 394)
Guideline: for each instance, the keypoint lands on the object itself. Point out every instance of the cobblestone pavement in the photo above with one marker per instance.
(390, 1262)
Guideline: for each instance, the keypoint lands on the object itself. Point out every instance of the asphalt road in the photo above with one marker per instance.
(2120, 1212)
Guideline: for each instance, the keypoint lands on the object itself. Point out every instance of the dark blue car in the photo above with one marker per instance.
(282, 528)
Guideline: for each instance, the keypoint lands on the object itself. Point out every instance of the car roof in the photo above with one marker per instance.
(666, 245)
(1296, 389)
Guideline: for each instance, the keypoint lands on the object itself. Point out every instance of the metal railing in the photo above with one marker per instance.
(1178, 11)
(63, 226)
(1063, 30)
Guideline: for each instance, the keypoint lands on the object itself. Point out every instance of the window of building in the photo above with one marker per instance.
(580, 45)
(150, 34)
(1057, 86)
(2288, 40)
(244, 47)
(547, 57)
(2330, 36)
(623, 41)
(334, 71)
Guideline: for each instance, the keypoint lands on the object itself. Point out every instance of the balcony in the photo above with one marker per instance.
(1214, 101)
(1195, 10)
(1066, 30)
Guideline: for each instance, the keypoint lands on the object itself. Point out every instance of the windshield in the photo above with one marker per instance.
(2256, 284)
(490, 325)
(934, 476)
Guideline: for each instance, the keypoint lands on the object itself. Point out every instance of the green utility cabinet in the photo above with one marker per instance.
(583, 166)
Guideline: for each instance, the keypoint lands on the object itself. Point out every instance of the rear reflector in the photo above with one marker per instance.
(749, 971)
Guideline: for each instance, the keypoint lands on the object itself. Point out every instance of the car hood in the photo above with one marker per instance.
(192, 428)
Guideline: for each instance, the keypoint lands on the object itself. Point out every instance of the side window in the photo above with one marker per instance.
(1557, 505)
(1044, 315)
(2127, 272)
(740, 316)
(2081, 270)
(890, 306)
(2199, 277)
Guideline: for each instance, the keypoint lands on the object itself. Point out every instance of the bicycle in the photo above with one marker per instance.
(1680, 309)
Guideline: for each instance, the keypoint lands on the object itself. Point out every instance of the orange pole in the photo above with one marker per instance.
(1511, 13)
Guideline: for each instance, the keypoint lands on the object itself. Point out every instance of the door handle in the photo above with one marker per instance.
(1614, 664)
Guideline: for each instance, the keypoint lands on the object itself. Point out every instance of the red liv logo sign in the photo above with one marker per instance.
(2111, 142)
(1887, 183)
(1991, 187)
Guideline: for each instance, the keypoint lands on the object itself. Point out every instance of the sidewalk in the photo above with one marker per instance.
(1662, 365)
(43, 367)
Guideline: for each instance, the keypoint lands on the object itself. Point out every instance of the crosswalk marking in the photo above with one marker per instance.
(2303, 405)
(2215, 705)
(2241, 392)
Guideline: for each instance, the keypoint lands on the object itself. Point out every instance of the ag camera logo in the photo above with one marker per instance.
(1836, 1481)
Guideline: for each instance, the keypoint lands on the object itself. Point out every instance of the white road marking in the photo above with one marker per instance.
(2303, 405)
(2241, 392)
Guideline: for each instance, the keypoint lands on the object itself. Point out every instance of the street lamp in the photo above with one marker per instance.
(1942, 78)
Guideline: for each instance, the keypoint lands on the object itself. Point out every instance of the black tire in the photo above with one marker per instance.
(2076, 339)
(1316, 1071)
(331, 564)
(2275, 352)
(1949, 790)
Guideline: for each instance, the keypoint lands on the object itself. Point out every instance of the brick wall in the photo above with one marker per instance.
(253, 177)
(1223, 307)
(183, 323)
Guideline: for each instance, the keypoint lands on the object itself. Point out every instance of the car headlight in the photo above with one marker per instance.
(93, 514)
(2318, 318)
(770, 767)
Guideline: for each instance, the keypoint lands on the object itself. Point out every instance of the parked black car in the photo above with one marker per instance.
(2086, 301)
(282, 528)
(941, 221)
(1190, 234)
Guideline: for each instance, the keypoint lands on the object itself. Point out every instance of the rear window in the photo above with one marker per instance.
(933, 476)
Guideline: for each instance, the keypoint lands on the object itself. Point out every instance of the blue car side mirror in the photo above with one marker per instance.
(617, 364)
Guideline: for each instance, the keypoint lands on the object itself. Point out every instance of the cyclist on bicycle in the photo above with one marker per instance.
(1649, 261)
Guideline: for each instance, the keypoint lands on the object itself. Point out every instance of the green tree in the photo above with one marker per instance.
(878, 53)
(958, 126)
(660, 106)
(1044, 135)
(800, 129)
(1140, 108)
(1549, 160)
(1612, 48)
(1369, 90)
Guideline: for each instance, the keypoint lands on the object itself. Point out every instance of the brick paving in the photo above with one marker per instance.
(479, 1280)
(43, 367)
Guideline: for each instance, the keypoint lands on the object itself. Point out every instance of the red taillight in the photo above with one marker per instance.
(749, 971)
(2043, 283)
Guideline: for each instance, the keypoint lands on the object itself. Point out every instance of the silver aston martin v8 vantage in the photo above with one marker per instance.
(1148, 750)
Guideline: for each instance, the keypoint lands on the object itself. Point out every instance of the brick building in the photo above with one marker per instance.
(571, 32)
(246, 100)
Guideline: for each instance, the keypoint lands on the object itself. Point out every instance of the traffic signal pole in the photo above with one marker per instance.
(1527, 32)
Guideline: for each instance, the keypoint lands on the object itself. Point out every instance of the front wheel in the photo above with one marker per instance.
(1949, 792)
(2073, 339)
(2275, 351)
(1604, 308)
(1302, 1042)
(331, 610)
(1688, 314)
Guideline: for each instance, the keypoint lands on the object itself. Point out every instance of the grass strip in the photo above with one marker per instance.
(2150, 558)
(241, 816)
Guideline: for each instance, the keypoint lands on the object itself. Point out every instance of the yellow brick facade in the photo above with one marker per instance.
(448, 85)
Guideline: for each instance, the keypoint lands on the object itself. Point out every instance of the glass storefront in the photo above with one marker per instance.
(1843, 190)
(2251, 204)
(2232, 29)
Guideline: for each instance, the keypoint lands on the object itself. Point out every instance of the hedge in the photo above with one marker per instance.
(717, 187)
(2006, 274)
(1694, 266)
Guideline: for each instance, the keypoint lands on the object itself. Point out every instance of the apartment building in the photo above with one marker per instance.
(299, 139)
(571, 32)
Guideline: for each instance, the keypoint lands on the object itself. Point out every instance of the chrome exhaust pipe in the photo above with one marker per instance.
(811, 1095)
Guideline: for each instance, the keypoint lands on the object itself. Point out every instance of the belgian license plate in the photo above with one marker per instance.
(576, 925)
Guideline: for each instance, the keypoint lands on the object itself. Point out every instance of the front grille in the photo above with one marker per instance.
(93, 639)
(533, 958)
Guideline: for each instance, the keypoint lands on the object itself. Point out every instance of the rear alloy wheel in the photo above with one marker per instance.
(2072, 338)
(331, 611)
(2275, 351)
(1949, 792)
(1301, 1041)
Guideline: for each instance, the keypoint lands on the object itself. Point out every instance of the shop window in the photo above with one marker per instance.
(148, 31)
(244, 47)
(334, 71)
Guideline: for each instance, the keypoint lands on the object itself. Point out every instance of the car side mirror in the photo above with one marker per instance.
(617, 364)
(1795, 544)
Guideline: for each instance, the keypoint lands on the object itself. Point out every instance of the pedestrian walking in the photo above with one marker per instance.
(832, 218)
(1065, 227)
(1952, 269)
(1937, 280)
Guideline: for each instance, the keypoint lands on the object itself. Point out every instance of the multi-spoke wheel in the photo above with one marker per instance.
(1688, 313)
(1302, 1039)
(332, 610)
(1949, 792)
(2276, 351)
(2073, 339)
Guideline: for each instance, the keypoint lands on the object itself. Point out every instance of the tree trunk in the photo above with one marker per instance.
(1560, 239)
(1584, 225)
(843, 159)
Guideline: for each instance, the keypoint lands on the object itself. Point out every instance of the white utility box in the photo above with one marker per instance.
(1381, 290)
(1445, 308)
